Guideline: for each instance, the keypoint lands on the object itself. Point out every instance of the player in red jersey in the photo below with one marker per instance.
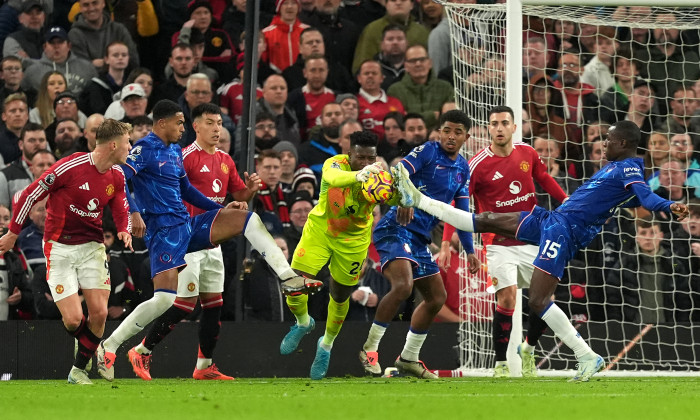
(78, 188)
(214, 174)
(501, 181)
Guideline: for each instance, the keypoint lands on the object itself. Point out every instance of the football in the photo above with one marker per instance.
(379, 188)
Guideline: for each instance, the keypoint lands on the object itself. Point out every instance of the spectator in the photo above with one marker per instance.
(657, 154)
(682, 118)
(615, 101)
(274, 101)
(339, 33)
(363, 12)
(233, 19)
(16, 300)
(122, 294)
(66, 140)
(138, 75)
(394, 132)
(548, 150)
(580, 104)
(270, 203)
(97, 95)
(674, 183)
(308, 100)
(416, 131)
(311, 42)
(346, 128)
(682, 149)
(430, 14)
(597, 72)
(314, 152)
(305, 180)
(640, 109)
(44, 306)
(374, 102)
(282, 36)
(65, 106)
(197, 92)
(17, 175)
(534, 59)
(90, 133)
(195, 39)
(664, 61)
(30, 239)
(301, 203)
(218, 48)
(288, 161)
(392, 54)
(542, 97)
(643, 289)
(93, 30)
(350, 105)
(12, 75)
(52, 83)
(565, 32)
(182, 62)
(265, 132)
(15, 115)
(143, 125)
(231, 94)
(397, 12)
(371, 288)
(685, 246)
(133, 101)
(57, 56)
(27, 40)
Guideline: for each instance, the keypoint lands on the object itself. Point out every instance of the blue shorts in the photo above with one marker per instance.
(552, 232)
(396, 242)
(168, 245)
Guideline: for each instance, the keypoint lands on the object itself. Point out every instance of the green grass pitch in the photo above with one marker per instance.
(354, 398)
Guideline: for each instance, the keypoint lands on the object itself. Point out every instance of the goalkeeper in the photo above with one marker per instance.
(338, 230)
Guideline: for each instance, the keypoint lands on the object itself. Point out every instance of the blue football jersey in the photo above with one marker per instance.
(598, 199)
(155, 171)
(440, 178)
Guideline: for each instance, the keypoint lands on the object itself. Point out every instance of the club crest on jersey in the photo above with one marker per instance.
(109, 190)
(191, 287)
(59, 289)
(136, 151)
(524, 166)
(216, 185)
(165, 257)
(301, 252)
(494, 281)
(224, 168)
(459, 177)
(335, 165)
(407, 248)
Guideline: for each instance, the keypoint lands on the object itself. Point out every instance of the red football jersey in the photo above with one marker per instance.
(314, 105)
(371, 114)
(212, 174)
(78, 193)
(231, 98)
(505, 184)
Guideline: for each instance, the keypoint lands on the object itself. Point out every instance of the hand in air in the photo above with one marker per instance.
(364, 174)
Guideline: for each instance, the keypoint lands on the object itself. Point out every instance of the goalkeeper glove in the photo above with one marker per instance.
(364, 174)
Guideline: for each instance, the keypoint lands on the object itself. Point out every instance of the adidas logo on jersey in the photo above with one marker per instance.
(85, 187)
(204, 169)
(496, 176)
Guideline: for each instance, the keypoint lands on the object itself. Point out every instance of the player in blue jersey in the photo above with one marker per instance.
(562, 232)
(402, 243)
(160, 185)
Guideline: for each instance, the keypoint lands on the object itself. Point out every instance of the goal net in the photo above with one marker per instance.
(571, 72)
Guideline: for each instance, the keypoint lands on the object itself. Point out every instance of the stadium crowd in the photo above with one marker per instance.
(326, 69)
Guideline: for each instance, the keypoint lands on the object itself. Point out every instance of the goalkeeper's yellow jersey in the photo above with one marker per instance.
(342, 212)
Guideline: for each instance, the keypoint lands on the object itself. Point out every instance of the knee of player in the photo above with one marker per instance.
(538, 303)
(402, 289)
(438, 299)
(164, 300)
(72, 322)
(98, 315)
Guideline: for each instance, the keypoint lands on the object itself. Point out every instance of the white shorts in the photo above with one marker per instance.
(511, 265)
(204, 273)
(73, 267)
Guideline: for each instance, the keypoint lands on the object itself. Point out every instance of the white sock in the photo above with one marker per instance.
(525, 346)
(262, 242)
(411, 349)
(303, 320)
(460, 219)
(556, 320)
(141, 349)
(326, 347)
(137, 320)
(376, 332)
(203, 363)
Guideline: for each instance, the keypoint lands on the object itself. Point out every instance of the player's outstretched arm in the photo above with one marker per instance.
(681, 210)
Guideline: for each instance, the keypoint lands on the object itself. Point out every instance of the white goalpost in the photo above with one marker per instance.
(636, 306)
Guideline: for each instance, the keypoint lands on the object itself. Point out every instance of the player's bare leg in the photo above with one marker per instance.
(542, 288)
(338, 306)
(232, 222)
